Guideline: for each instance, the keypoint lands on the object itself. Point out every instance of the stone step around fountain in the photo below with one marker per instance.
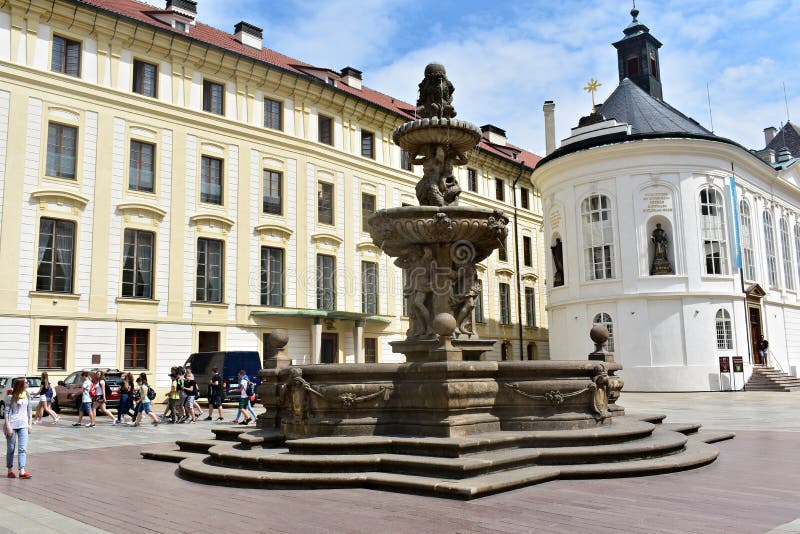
(171, 455)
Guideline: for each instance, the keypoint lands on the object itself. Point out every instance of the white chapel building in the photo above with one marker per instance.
(640, 222)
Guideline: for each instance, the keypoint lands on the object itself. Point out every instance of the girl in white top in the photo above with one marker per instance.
(99, 403)
(18, 425)
(46, 394)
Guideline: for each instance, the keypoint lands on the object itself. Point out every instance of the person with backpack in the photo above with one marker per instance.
(125, 399)
(17, 427)
(86, 401)
(146, 395)
(198, 411)
(245, 390)
(102, 390)
(215, 396)
(181, 383)
(46, 394)
(174, 398)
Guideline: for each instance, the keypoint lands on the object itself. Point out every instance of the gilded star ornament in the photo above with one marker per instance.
(592, 87)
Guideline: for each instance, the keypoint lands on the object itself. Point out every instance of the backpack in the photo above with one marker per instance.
(93, 391)
(107, 389)
(151, 393)
(251, 389)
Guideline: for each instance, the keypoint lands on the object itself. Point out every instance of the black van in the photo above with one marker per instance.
(229, 363)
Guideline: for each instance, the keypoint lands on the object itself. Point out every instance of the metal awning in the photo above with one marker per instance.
(322, 314)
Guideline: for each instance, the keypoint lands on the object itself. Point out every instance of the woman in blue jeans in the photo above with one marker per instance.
(17, 426)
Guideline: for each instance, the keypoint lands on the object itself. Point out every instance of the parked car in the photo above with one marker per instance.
(68, 391)
(229, 364)
(6, 384)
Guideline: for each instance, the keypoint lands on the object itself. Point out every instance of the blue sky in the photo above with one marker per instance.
(507, 57)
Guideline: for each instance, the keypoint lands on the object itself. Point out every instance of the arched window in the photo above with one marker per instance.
(797, 247)
(712, 227)
(605, 320)
(746, 236)
(724, 330)
(769, 241)
(598, 237)
(786, 254)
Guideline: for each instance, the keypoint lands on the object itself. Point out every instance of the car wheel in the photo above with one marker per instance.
(54, 405)
(2, 410)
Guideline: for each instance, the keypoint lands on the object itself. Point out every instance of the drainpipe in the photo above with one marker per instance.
(516, 259)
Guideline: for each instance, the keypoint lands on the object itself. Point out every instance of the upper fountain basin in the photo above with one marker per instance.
(460, 135)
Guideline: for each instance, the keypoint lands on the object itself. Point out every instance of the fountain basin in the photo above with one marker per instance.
(459, 135)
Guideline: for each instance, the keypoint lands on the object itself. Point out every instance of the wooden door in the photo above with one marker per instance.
(755, 333)
(329, 350)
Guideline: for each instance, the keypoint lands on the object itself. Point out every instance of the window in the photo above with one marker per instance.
(530, 307)
(271, 276)
(142, 166)
(479, 304)
(207, 342)
(367, 144)
(370, 350)
(527, 251)
(769, 242)
(472, 180)
(505, 304)
(137, 264)
(724, 330)
(604, 319)
(746, 236)
(66, 56)
(144, 78)
(367, 209)
(136, 345)
(325, 130)
(55, 256)
(633, 66)
(369, 287)
(181, 26)
(797, 247)
(524, 198)
(326, 282)
(405, 160)
(598, 237)
(213, 98)
(273, 114)
(272, 202)
(52, 347)
(209, 270)
(502, 252)
(210, 180)
(786, 255)
(62, 144)
(713, 231)
(325, 203)
(499, 189)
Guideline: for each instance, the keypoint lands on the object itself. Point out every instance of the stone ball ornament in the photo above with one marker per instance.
(599, 334)
(278, 338)
(444, 324)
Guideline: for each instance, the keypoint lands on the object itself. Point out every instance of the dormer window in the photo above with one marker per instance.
(181, 26)
(330, 81)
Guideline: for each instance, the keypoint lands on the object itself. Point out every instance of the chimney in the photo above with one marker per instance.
(352, 77)
(769, 134)
(187, 8)
(248, 35)
(549, 109)
(493, 134)
(784, 154)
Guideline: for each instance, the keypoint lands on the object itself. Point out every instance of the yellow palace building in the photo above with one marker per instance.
(167, 187)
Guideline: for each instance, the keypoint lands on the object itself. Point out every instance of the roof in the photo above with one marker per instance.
(789, 137)
(646, 114)
(142, 13)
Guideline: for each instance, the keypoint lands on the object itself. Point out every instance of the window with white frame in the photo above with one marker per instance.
(505, 303)
(746, 237)
(271, 276)
(769, 244)
(326, 282)
(209, 270)
(54, 265)
(598, 237)
(369, 287)
(786, 254)
(713, 231)
(137, 264)
(604, 319)
(797, 247)
(724, 330)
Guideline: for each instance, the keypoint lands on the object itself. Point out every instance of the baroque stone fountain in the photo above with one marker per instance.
(445, 422)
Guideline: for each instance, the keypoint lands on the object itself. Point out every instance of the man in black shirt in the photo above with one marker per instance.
(215, 395)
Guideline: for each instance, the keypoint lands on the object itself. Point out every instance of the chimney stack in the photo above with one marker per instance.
(549, 109)
(769, 134)
(352, 77)
(184, 7)
(493, 134)
(248, 35)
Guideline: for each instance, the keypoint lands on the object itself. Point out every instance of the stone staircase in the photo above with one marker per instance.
(464, 468)
(770, 379)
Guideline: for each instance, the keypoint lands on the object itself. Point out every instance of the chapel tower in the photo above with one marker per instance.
(637, 57)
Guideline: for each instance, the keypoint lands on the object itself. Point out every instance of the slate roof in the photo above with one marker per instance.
(789, 137)
(646, 114)
(141, 12)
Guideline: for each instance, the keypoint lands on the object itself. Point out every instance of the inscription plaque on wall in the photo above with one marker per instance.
(656, 202)
(555, 219)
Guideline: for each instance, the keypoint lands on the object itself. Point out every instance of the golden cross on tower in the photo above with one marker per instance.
(591, 87)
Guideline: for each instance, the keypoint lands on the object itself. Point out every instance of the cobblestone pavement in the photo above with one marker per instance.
(87, 479)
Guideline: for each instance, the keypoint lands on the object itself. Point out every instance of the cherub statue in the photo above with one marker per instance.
(468, 286)
(429, 191)
(435, 94)
(418, 264)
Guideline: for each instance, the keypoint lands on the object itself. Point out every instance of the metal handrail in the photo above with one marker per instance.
(774, 359)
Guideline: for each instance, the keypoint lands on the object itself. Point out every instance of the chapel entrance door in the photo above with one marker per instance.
(329, 349)
(755, 331)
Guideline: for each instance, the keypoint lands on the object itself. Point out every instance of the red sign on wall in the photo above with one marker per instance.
(724, 364)
(738, 364)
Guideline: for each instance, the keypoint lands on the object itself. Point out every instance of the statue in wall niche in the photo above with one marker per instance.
(558, 263)
(661, 264)
(466, 289)
(418, 286)
(435, 94)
